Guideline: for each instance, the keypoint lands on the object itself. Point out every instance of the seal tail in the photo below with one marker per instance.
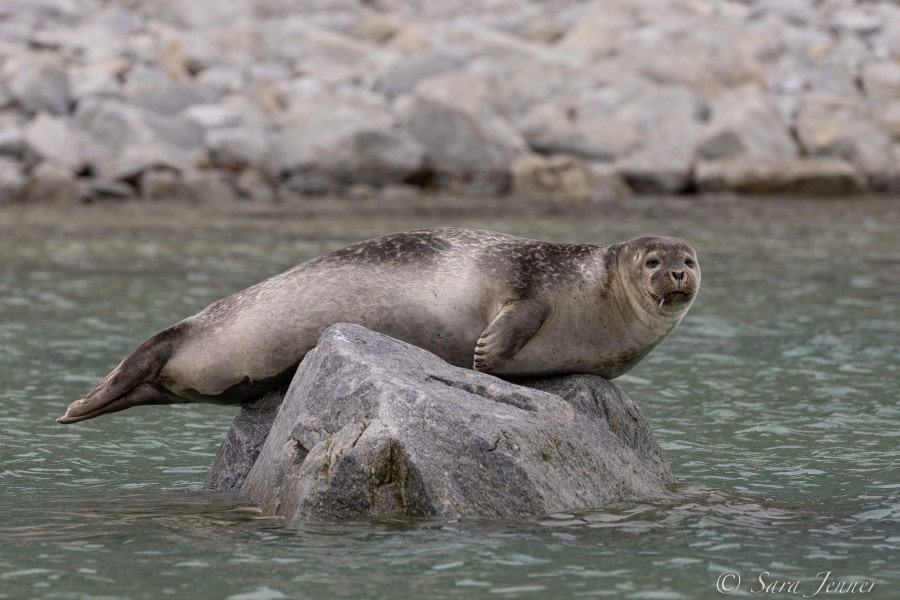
(130, 384)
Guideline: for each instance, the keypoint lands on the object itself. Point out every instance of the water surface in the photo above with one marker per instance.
(776, 402)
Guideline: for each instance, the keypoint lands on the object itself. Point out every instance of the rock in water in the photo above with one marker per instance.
(245, 438)
(372, 426)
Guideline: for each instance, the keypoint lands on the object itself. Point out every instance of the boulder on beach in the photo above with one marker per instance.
(372, 426)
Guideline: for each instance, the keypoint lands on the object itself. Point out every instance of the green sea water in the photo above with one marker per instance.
(776, 402)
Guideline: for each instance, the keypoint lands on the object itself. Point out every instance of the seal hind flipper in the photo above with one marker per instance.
(143, 394)
(514, 325)
(131, 383)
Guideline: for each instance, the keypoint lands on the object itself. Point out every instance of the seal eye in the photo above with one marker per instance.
(652, 263)
(689, 263)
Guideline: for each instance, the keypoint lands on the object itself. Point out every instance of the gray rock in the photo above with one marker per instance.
(564, 129)
(52, 183)
(245, 438)
(39, 83)
(830, 125)
(172, 97)
(239, 147)
(564, 179)
(201, 186)
(746, 123)
(203, 15)
(339, 141)
(671, 122)
(463, 135)
(648, 129)
(252, 184)
(5, 97)
(881, 82)
(816, 176)
(37, 11)
(12, 180)
(372, 426)
(12, 140)
(856, 21)
(122, 141)
(53, 139)
(402, 76)
(98, 190)
(223, 79)
(214, 116)
(165, 185)
(100, 78)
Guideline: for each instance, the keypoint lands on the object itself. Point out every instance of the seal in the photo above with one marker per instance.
(493, 302)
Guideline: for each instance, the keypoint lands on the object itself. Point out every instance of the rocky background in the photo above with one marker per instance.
(265, 100)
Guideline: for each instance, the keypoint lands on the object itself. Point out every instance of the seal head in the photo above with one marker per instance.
(661, 276)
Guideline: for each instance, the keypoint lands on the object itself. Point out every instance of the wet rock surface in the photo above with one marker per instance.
(316, 98)
(372, 426)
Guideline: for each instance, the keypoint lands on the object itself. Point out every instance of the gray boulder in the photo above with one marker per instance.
(372, 426)
(39, 83)
(53, 139)
(239, 451)
(12, 180)
(464, 135)
(816, 176)
(830, 125)
(746, 123)
(52, 183)
(123, 141)
(402, 76)
(344, 140)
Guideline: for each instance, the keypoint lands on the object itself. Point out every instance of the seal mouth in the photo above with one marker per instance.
(677, 297)
(673, 298)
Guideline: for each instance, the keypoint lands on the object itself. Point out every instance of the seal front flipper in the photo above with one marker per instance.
(514, 325)
(132, 383)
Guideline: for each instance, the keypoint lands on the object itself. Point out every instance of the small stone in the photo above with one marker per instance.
(12, 181)
(12, 140)
(830, 125)
(99, 190)
(53, 139)
(856, 21)
(331, 141)
(881, 82)
(52, 184)
(253, 185)
(170, 98)
(209, 186)
(463, 137)
(745, 122)
(554, 129)
(165, 185)
(238, 147)
(822, 176)
(39, 83)
(214, 116)
(98, 79)
(122, 141)
(557, 178)
(402, 76)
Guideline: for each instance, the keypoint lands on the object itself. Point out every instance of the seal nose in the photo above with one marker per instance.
(677, 275)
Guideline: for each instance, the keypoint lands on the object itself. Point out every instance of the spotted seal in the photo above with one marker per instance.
(489, 301)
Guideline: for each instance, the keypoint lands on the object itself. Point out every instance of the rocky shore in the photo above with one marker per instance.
(570, 101)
